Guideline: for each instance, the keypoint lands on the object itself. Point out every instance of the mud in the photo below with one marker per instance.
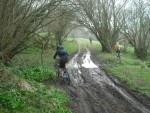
(94, 91)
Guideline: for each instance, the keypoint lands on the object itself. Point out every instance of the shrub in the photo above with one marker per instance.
(11, 99)
(38, 73)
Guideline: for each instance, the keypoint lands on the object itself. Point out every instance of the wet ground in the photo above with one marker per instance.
(92, 90)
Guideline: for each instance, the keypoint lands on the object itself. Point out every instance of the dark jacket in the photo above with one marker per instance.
(61, 53)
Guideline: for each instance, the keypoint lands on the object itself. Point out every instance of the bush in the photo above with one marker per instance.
(11, 100)
(37, 73)
(42, 100)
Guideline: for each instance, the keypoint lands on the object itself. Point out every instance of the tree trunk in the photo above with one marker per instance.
(140, 53)
(106, 48)
(6, 57)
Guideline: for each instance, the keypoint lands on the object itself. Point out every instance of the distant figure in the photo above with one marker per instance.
(90, 39)
(118, 50)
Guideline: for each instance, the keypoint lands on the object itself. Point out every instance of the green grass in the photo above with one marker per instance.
(39, 99)
(42, 100)
(43, 34)
(37, 73)
(136, 77)
(71, 46)
(32, 50)
(86, 43)
(135, 72)
(28, 65)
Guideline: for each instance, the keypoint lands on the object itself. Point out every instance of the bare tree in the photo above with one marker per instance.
(63, 25)
(19, 21)
(137, 27)
(103, 18)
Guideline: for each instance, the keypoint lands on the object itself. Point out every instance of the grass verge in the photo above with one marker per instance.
(133, 71)
(21, 88)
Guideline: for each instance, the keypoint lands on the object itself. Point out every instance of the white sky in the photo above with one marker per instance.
(128, 5)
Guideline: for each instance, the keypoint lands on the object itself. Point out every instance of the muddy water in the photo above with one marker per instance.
(93, 92)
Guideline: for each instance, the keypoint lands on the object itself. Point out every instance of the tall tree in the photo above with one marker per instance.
(103, 18)
(137, 27)
(19, 21)
(63, 25)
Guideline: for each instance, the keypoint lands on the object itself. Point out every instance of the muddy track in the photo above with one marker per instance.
(92, 91)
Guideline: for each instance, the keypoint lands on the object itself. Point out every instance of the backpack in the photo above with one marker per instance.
(61, 52)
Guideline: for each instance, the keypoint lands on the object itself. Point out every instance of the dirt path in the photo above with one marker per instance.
(92, 91)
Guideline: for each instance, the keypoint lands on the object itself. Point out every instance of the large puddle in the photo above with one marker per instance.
(87, 62)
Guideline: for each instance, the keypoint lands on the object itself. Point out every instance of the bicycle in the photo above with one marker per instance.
(65, 77)
(63, 74)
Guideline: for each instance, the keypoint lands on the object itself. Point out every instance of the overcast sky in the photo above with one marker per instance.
(128, 5)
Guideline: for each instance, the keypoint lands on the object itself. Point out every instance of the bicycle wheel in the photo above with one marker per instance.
(57, 73)
(66, 77)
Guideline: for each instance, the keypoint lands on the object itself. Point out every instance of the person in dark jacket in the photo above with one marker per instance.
(63, 56)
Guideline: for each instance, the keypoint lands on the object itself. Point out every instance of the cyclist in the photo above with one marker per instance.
(63, 57)
(118, 50)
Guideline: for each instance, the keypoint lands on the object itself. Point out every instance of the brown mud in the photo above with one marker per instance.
(94, 91)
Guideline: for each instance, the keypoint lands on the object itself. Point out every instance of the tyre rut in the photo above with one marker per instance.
(93, 92)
